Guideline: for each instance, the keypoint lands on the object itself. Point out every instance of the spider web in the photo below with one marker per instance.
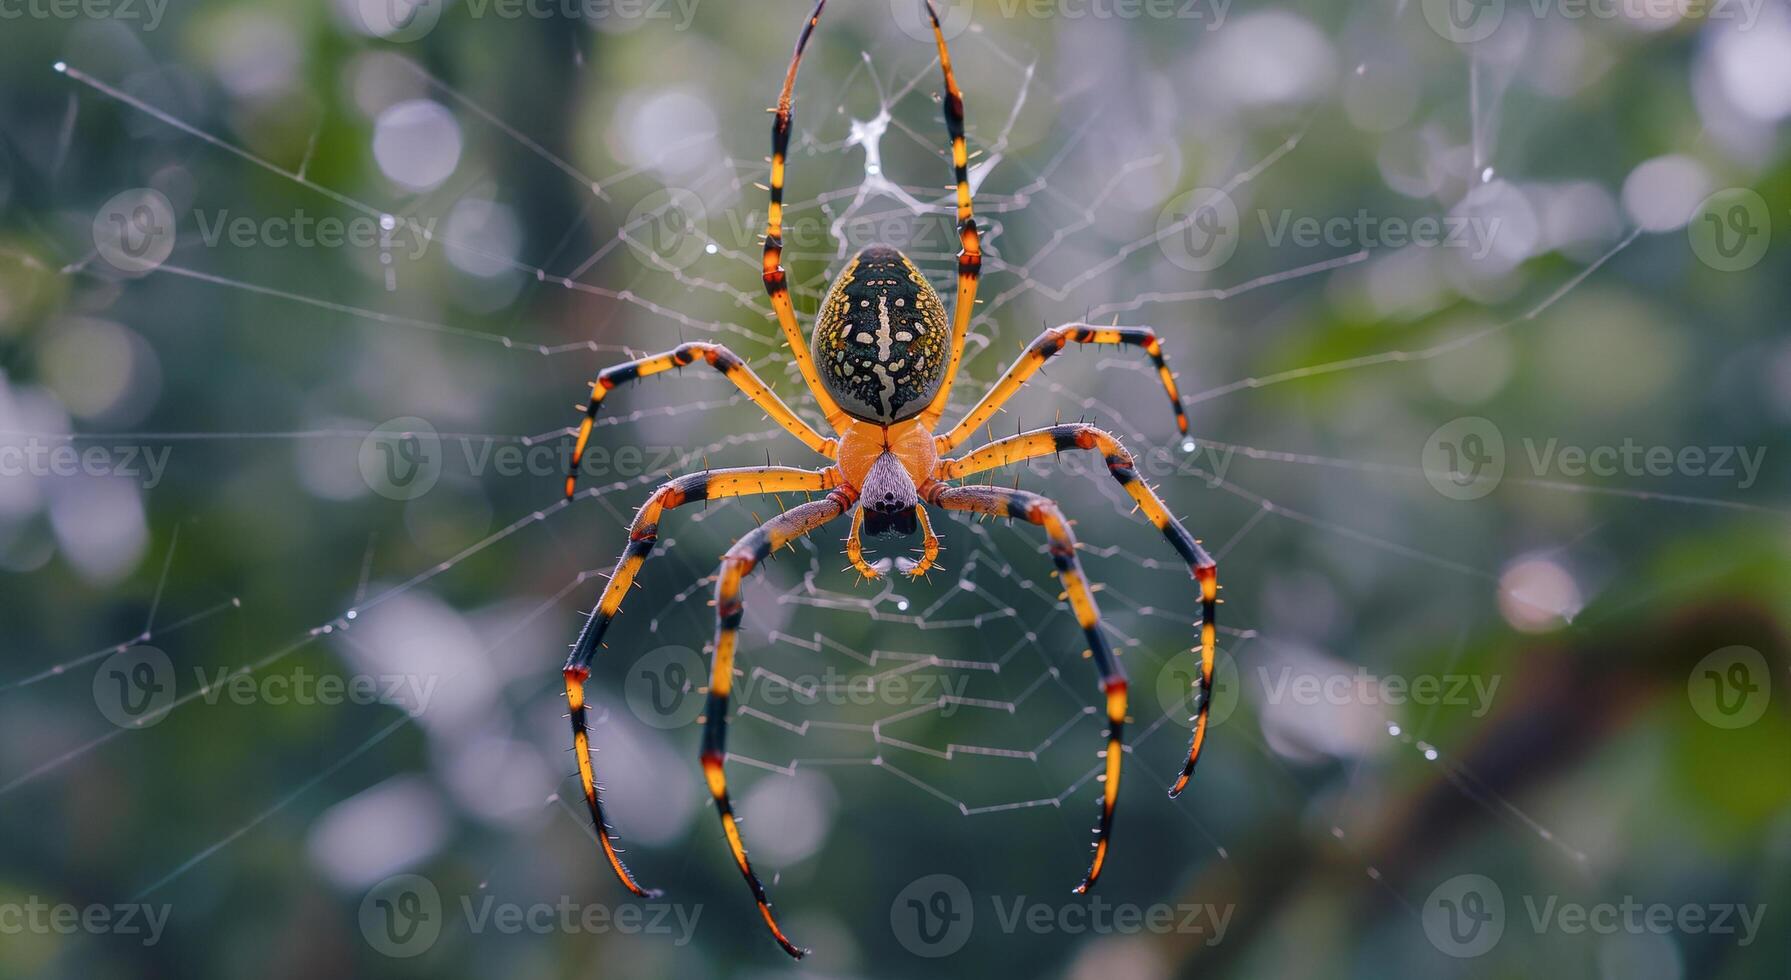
(1019, 729)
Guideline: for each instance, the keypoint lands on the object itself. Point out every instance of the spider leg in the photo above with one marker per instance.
(929, 548)
(970, 251)
(855, 548)
(1048, 345)
(642, 533)
(1058, 438)
(776, 282)
(716, 356)
(1002, 502)
(739, 561)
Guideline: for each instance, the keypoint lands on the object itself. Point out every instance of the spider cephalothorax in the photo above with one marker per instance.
(880, 368)
(881, 338)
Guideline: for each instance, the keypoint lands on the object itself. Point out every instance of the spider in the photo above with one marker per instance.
(880, 366)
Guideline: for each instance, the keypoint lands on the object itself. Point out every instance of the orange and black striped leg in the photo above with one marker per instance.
(970, 250)
(1059, 438)
(642, 533)
(1043, 349)
(1002, 502)
(717, 357)
(739, 562)
(776, 282)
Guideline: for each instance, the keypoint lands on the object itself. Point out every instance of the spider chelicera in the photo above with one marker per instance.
(880, 366)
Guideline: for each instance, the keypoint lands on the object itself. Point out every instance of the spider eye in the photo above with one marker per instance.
(889, 523)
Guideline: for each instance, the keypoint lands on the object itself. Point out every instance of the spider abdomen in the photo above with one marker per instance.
(882, 338)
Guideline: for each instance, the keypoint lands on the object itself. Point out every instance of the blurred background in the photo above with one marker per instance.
(1477, 309)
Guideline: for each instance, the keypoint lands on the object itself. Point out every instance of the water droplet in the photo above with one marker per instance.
(1188, 445)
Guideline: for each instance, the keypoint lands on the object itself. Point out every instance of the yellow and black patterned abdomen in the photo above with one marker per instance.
(881, 340)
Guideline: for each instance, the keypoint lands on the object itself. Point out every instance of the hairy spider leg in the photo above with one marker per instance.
(776, 282)
(1048, 345)
(929, 547)
(716, 356)
(1027, 506)
(1059, 438)
(970, 250)
(642, 533)
(739, 562)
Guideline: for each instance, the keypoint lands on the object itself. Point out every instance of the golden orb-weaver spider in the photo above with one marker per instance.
(880, 366)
